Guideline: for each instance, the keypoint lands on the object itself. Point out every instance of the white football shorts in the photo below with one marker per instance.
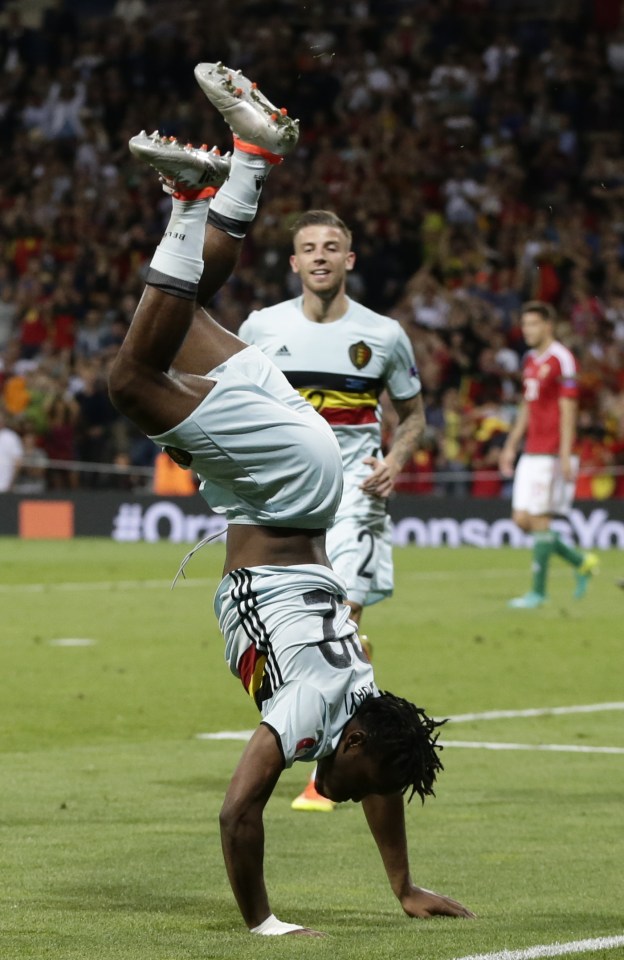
(289, 638)
(539, 487)
(359, 546)
(262, 452)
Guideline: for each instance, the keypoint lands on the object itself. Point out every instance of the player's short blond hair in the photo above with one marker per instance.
(320, 218)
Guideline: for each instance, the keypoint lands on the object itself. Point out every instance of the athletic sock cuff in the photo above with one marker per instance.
(171, 285)
(235, 228)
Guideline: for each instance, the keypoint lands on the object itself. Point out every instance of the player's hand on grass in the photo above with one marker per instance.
(305, 932)
(418, 902)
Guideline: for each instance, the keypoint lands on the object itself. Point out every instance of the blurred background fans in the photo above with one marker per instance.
(474, 146)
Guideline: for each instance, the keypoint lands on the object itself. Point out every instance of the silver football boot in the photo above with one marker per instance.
(192, 172)
(253, 119)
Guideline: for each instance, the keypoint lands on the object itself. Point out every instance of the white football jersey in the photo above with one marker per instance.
(341, 368)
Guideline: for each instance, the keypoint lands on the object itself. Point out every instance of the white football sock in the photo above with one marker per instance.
(177, 264)
(236, 203)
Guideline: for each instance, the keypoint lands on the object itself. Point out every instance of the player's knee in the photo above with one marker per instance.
(522, 520)
(230, 817)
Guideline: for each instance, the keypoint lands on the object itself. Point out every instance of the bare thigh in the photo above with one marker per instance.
(531, 523)
(166, 330)
(206, 345)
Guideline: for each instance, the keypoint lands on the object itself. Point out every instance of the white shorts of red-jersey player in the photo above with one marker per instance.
(539, 487)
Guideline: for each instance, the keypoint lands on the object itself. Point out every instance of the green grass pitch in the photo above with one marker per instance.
(109, 802)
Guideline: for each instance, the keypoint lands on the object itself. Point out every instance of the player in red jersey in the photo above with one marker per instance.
(545, 477)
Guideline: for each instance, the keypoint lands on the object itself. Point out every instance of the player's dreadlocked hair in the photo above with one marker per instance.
(403, 737)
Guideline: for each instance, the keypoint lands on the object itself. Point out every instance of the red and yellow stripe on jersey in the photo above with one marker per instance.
(347, 400)
(251, 671)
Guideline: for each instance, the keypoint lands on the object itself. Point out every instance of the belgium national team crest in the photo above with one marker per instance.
(360, 354)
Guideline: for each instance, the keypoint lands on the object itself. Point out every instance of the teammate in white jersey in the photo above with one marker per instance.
(272, 465)
(340, 356)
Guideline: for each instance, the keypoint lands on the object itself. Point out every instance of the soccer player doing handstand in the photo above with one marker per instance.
(271, 464)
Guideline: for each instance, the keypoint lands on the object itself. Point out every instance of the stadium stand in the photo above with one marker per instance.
(475, 147)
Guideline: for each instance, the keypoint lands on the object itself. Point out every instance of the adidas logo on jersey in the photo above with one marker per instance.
(283, 352)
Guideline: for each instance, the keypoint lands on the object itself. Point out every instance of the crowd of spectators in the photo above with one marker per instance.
(474, 146)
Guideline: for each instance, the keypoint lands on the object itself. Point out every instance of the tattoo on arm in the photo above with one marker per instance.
(410, 429)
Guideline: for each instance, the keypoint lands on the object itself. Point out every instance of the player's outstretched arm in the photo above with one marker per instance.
(385, 816)
(242, 832)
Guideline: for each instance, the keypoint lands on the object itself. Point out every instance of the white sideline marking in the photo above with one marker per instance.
(245, 735)
(226, 735)
(550, 950)
(553, 747)
(536, 712)
(488, 715)
(72, 642)
(100, 585)
(192, 582)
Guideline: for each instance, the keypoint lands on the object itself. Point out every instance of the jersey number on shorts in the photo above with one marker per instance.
(342, 658)
(363, 570)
